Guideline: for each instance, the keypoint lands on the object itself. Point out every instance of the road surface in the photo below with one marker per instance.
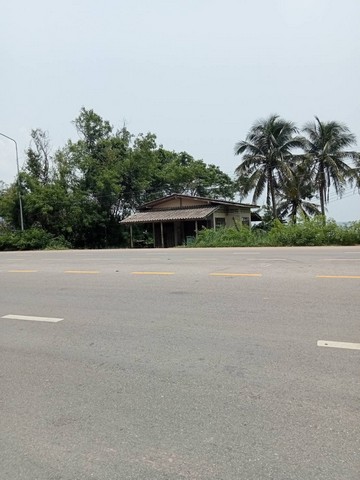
(216, 364)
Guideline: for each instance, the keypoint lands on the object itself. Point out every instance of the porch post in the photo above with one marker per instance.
(213, 219)
(131, 237)
(175, 235)
(162, 234)
(196, 228)
(154, 235)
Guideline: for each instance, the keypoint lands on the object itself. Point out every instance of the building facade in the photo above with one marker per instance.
(176, 219)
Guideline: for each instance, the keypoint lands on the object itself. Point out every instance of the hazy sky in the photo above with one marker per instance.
(197, 73)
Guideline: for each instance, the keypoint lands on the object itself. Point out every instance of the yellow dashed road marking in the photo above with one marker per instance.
(86, 272)
(153, 273)
(338, 276)
(22, 271)
(235, 274)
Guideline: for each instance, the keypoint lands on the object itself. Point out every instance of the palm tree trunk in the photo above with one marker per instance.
(322, 201)
(293, 213)
(272, 193)
(322, 190)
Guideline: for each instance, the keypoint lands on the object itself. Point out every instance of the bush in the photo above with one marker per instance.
(32, 239)
(228, 237)
(307, 233)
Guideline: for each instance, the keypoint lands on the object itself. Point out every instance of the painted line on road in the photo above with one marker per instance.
(153, 273)
(272, 259)
(22, 271)
(349, 346)
(340, 259)
(32, 318)
(246, 253)
(86, 272)
(338, 276)
(235, 274)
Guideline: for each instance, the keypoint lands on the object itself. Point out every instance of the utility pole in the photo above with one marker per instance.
(19, 184)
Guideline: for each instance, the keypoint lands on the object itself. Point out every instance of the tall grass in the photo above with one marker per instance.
(307, 233)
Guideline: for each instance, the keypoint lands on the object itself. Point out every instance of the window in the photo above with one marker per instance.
(219, 222)
(245, 221)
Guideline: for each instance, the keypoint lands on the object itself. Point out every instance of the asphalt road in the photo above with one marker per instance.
(180, 364)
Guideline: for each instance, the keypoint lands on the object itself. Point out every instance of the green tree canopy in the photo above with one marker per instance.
(326, 146)
(295, 198)
(266, 155)
(84, 189)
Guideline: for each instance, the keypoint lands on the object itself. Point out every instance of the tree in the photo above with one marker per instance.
(92, 128)
(325, 146)
(81, 191)
(39, 159)
(183, 174)
(95, 166)
(267, 151)
(8, 203)
(356, 175)
(297, 191)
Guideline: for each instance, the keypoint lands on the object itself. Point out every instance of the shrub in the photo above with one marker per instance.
(31, 239)
(307, 233)
(227, 237)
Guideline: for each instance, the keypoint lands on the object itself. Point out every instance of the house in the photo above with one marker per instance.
(176, 219)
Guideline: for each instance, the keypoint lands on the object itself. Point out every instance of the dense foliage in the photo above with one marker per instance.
(293, 169)
(81, 192)
(308, 232)
(31, 239)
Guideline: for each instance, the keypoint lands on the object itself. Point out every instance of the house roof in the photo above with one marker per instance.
(170, 215)
(210, 201)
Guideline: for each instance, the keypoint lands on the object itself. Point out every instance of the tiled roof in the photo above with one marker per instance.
(170, 215)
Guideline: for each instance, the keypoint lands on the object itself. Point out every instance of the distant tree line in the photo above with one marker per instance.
(80, 192)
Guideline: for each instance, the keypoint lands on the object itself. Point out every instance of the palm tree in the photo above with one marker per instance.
(266, 152)
(297, 191)
(324, 146)
(357, 172)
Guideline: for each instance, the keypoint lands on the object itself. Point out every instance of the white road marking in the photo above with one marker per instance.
(350, 346)
(33, 319)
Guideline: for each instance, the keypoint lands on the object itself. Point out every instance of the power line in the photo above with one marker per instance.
(343, 197)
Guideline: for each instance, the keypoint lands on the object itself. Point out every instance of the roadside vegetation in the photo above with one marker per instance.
(312, 232)
(31, 239)
(75, 196)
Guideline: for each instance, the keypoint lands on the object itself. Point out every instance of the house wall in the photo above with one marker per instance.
(180, 202)
(240, 215)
